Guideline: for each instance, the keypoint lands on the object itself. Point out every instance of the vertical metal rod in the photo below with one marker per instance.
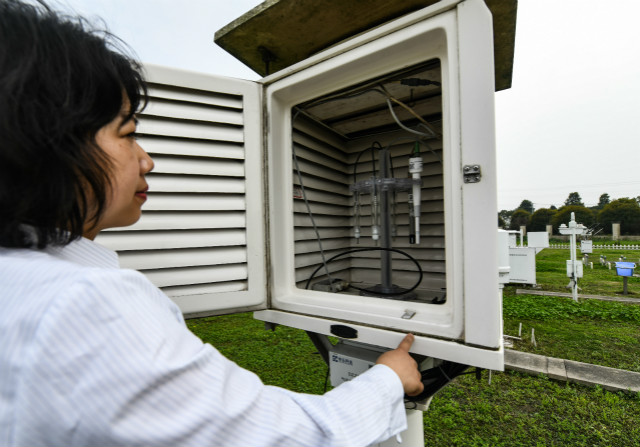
(385, 223)
(572, 238)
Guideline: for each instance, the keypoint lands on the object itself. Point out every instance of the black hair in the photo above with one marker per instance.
(60, 82)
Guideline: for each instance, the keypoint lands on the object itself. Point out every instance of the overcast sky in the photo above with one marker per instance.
(570, 122)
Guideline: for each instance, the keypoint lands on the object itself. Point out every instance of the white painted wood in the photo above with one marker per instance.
(431, 347)
(163, 259)
(479, 200)
(156, 240)
(198, 166)
(451, 247)
(172, 146)
(164, 91)
(199, 275)
(201, 235)
(189, 129)
(202, 184)
(185, 220)
(198, 202)
(197, 290)
(191, 111)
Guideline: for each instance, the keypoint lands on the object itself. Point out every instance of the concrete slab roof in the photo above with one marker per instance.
(280, 33)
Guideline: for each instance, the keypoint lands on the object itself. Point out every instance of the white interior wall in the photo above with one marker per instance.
(326, 161)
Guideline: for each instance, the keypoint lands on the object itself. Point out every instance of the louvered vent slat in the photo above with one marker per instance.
(192, 239)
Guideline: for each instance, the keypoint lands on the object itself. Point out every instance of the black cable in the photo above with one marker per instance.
(356, 250)
(339, 96)
(355, 165)
(370, 148)
(326, 379)
(436, 378)
(391, 167)
(415, 82)
(373, 162)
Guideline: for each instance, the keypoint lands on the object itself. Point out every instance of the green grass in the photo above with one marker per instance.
(515, 409)
(274, 355)
(591, 331)
(519, 410)
(616, 345)
(551, 273)
(564, 308)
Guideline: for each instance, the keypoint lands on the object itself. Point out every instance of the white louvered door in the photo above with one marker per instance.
(201, 235)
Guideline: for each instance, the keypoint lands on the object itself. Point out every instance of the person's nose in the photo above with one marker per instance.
(146, 163)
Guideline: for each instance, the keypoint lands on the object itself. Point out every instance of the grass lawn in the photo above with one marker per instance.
(591, 331)
(520, 410)
(551, 272)
(514, 409)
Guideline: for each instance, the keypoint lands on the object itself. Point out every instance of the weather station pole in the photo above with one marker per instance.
(573, 269)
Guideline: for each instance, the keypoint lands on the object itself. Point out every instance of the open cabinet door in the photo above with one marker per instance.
(423, 83)
(201, 235)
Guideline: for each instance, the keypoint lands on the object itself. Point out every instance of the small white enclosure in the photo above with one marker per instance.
(538, 239)
(523, 265)
(333, 114)
(574, 269)
(504, 264)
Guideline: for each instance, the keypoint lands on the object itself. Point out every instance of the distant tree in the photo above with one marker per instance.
(625, 211)
(540, 219)
(604, 200)
(553, 207)
(501, 223)
(583, 215)
(506, 217)
(573, 199)
(526, 205)
(519, 218)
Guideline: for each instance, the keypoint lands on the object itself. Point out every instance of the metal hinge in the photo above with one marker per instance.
(471, 173)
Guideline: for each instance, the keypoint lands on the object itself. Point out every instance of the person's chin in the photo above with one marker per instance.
(131, 218)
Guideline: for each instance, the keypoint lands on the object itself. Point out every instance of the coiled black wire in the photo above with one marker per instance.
(356, 250)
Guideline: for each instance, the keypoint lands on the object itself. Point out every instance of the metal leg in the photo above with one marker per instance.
(322, 344)
(413, 436)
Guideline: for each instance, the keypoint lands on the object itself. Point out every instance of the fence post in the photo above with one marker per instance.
(615, 231)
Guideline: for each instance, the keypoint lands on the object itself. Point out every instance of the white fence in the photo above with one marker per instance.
(600, 247)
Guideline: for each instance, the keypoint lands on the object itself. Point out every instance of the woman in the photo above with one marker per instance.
(91, 354)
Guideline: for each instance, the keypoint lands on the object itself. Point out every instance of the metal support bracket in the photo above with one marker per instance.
(471, 173)
(322, 344)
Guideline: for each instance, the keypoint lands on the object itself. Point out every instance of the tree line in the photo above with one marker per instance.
(625, 211)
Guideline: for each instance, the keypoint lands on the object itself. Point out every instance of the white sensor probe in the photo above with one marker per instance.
(415, 169)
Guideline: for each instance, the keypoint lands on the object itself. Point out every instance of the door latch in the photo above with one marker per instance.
(471, 173)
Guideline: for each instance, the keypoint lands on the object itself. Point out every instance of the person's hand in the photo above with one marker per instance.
(404, 366)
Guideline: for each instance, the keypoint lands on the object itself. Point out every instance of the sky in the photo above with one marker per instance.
(570, 122)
